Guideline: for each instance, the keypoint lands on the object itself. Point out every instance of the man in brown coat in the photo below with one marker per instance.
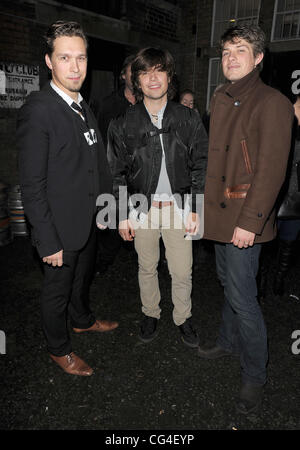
(250, 133)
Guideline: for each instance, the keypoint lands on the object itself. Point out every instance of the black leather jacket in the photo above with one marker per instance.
(135, 152)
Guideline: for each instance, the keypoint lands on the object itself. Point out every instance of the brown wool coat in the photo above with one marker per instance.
(249, 144)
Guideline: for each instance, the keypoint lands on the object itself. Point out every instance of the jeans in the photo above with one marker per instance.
(243, 328)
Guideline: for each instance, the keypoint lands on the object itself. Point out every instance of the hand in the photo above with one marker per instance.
(192, 223)
(242, 238)
(101, 227)
(126, 230)
(55, 260)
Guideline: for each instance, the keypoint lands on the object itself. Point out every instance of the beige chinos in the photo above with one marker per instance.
(164, 222)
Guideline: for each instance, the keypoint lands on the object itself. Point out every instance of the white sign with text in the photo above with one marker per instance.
(16, 82)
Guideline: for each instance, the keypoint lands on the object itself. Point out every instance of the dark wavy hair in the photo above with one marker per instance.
(186, 91)
(253, 34)
(127, 62)
(62, 28)
(149, 58)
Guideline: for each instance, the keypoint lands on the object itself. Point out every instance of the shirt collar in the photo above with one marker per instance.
(65, 96)
(160, 112)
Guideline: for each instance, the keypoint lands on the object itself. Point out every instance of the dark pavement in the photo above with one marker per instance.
(163, 385)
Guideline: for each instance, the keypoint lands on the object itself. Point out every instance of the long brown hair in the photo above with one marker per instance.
(148, 58)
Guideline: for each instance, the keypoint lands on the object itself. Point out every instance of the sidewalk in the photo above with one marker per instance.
(159, 386)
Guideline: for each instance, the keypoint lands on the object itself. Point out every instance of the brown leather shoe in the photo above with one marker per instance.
(99, 325)
(73, 364)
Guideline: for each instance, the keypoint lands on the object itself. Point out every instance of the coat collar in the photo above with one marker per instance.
(242, 86)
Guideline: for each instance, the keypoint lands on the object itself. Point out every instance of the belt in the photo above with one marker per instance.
(238, 191)
(161, 204)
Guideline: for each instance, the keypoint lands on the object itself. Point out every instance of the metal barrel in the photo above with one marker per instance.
(5, 228)
(17, 217)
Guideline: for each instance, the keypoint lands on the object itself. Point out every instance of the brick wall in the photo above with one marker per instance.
(195, 44)
(156, 17)
(8, 155)
(20, 43)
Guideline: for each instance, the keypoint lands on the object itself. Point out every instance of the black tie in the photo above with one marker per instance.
(82, 112)
(77, 108)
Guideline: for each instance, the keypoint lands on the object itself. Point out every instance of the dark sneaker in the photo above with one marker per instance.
(249, 398)
(148, 330)
(214, 352)
(188, 334)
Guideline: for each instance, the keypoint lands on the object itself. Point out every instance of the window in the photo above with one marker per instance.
(232, 12)
(286, 22)
(215, 78)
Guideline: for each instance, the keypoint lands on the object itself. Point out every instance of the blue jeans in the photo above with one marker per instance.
(243, 328)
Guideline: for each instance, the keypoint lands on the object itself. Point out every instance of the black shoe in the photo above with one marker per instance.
(249, 398)
(214, 352)
(148, 330)
(188, 334)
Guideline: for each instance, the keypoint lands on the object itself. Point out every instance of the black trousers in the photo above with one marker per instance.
(66, 294)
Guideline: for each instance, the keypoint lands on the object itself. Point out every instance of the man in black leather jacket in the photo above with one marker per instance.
(157, 152)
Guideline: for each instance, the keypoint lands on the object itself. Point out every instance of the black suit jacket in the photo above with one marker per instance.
(60, 175)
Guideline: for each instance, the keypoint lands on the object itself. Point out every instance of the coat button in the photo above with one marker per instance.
(223, 178)
(237, 103)
(226, 148)
(223, 205)
(259, 215)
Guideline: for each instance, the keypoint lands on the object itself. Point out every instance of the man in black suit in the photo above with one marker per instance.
(63, 169)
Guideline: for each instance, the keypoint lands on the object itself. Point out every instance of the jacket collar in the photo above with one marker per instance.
(143, 110)
(242, 86)
(65, 96)
(49, 90)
